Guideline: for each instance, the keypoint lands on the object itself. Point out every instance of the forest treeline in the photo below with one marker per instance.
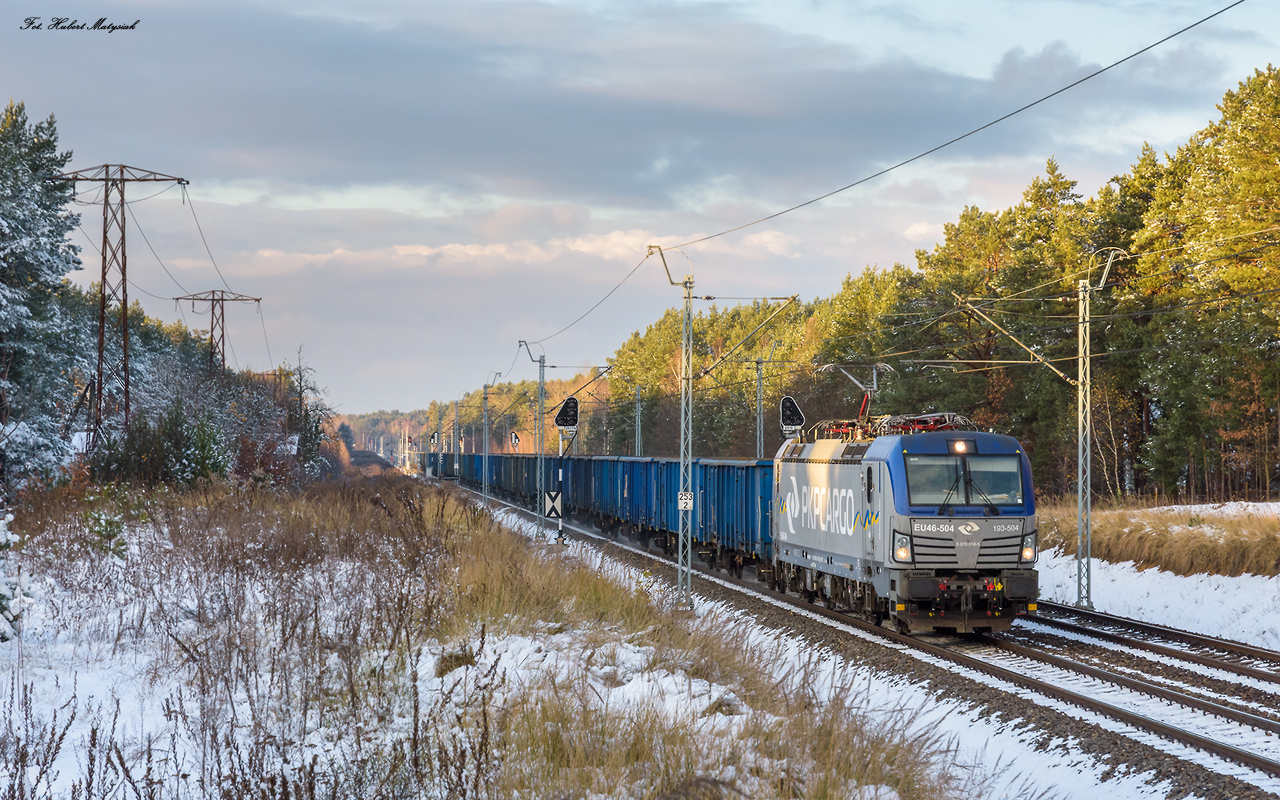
(188, 422)
(1184, 336)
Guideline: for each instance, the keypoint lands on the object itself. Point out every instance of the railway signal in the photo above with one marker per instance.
(792, 417)
(566, 422)
(567, 416)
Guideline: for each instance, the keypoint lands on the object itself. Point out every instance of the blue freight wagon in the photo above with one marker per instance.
(733, 499)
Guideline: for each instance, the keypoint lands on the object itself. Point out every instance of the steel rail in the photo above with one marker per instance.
(1151, 647)
(1187, 637)
(1145, 687)
(1225, 751)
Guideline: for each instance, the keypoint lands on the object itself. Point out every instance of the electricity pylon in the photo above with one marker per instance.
(217, 298)
(114, 287)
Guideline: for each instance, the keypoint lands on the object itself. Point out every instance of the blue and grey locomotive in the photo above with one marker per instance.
(926, 525)
(914, 521)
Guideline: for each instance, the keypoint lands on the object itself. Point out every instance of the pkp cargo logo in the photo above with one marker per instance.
(826, 509)
(968, 529)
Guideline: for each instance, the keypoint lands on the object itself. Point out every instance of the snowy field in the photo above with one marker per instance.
(1121, 589)
(1232, 509)
(99, 673)
(1244, 609)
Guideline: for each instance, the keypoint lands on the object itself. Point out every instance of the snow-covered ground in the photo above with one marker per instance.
(1233, 509)
(1244, 609)
(98, 672)
(1206, 604)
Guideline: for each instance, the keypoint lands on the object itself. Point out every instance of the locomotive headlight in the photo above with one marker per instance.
(902, 549)
(1029, 547)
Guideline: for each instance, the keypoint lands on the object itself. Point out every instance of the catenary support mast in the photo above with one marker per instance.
(539, 428)
(684, 546)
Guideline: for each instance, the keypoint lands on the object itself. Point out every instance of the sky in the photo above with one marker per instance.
(414, 187)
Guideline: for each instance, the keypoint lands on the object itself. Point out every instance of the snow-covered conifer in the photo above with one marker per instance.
(35, 255)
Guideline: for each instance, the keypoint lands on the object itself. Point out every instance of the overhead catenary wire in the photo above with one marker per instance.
(885, 355)
(1045, 329)
(1015, 297)
(893, 167)
(1071, 325)
(964, 136)
(900, 164)
(950, 345)
(514, 358)
(925, 376)
(594, 307)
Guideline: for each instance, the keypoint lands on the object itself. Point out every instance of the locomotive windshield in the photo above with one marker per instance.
(964, 480)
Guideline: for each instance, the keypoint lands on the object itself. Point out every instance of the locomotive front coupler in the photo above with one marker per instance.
(926, 586)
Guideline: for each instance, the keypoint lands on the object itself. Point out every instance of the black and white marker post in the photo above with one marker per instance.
(566, 422)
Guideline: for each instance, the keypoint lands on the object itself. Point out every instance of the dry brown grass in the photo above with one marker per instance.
(301, 620)
(1169, 539)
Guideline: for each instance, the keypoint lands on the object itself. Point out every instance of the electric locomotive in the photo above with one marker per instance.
(914, 521)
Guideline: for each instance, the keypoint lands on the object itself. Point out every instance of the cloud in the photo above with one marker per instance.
(416, 181)
(463, 95)
(923, 231)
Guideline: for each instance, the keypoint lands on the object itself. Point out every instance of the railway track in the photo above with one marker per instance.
(1081, 694)
(1209, 674)
(1241, 659)
(1235, 735)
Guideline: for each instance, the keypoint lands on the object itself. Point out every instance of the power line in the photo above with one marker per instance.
(186, 196)
(144, 291)
(962, 137)
(900, 164)
(153, 251)
(263, 320)
(150, 196)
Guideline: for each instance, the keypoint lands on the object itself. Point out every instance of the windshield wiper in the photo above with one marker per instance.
(942, 509)
(991, 507)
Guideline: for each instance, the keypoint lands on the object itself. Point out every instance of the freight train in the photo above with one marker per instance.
(917, 522)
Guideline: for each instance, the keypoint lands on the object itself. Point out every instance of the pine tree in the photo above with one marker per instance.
(35, 255)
